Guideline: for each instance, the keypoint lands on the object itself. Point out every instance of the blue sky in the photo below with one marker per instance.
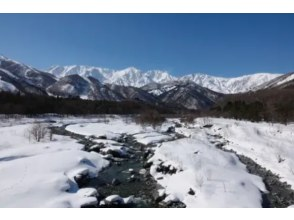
(217, 44)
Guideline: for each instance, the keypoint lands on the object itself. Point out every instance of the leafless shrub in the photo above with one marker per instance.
(38, 132)
(150, 118)
(206, 121)
(50, 135)
(105, 119)
(187, 119)
(279, 156)
(257, 131)
(128, 119)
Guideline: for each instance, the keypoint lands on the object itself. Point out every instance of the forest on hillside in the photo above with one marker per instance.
(271, 105)
(35, 104)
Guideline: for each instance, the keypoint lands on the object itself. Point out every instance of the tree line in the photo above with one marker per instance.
(271, 105)
(35, 104)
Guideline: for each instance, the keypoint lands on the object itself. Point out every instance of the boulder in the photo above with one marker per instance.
(114, 200)
(171, 129)
(143, 171)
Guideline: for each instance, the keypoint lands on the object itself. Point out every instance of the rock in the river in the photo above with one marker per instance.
(129, 200)
(131, 171)
(82, 179)
(172, 201)
(160, 195)
(142, 171)
(133, 178)
(95, 148)
(115, 182)
(171, 129)
(147, 154)
(107, 156)
(171, 198)
(114, 200)
(147, 165)
(89, 202)
(88, 192)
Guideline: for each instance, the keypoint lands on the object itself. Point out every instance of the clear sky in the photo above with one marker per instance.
(217, 44)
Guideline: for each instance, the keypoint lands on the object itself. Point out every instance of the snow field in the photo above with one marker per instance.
(42, 174)
(217, 178)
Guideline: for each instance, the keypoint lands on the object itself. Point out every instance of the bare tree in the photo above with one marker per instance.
(50, 135)
(150, 118)
(187, 119)
(279, 155)
(37, 132)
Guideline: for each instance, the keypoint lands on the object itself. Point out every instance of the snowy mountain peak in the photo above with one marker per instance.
(282, 81)
(230, 85)
(132, 76)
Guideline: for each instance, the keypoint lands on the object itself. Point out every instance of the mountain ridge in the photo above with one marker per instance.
(155, 87)
(132, 76)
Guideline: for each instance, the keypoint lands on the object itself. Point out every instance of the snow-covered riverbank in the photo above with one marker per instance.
(42, 174)
(191, 169)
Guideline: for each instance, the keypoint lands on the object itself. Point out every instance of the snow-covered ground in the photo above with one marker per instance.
(216, 178)
(190, 169)
(112, 128)
(42, 174)
(152, 137)
(269, 145)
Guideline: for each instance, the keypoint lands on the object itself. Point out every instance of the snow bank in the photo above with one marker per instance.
(152, 138)
(113, 128)
(217, 178)
(42, 174)
(270, 145)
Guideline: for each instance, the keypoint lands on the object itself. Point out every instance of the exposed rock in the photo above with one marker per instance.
(129, 200)
(131, 171)
(166, 169)
(171, 129)
(95, 148)
(82, 179)
(133, 178)
(191, 192)
(114, 200)
(91, 202)
(142, 171)
(147, 165)
(160, 196)
(88, 192)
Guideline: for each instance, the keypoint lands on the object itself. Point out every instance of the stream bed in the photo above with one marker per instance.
(126, 176)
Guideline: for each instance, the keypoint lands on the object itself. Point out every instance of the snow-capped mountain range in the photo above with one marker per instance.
(137, 78)
(283, 81)
(155, 87)
(126, 77)
(231, 85)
